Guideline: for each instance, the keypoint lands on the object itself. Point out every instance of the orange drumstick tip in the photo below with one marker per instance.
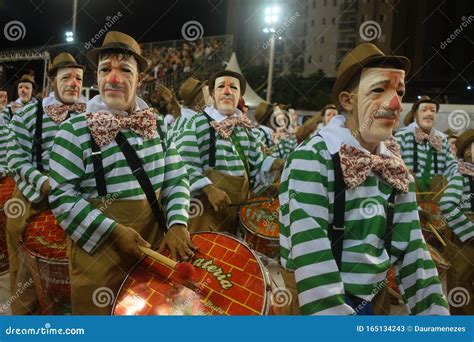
(185, 270)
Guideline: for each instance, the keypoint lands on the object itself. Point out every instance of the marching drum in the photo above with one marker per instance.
(229, 279)
(261, 225)
(7, 186)
(45, 244)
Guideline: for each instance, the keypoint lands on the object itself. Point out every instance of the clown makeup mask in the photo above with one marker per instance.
(468, 153)
(118, 79)
(226, 94)
(329, 114)
(68, 84)
(25, 91)
(425, 116)
(375, 105)
(3, 99)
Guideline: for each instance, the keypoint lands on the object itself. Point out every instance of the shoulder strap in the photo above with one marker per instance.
(98, 168)
(10, 111)
(212, 142)
(336, 230)
(140, 174)
(471, 188)
(267, 141)
(415, 156)
(435, 162)
(240, 152)
(38, 142)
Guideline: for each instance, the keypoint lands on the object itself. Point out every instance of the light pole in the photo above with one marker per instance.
(271, 18)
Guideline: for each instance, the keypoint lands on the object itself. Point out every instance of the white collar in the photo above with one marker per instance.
(51, 100)
(411, 128)
(187, 113)
(217, 116)
(96, 104)
(32, 100)
(335, 134)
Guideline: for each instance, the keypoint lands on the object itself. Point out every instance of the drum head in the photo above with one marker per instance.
(228, 280)
(261, 218)
(44, 238)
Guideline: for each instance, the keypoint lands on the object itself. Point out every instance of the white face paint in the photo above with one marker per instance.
(329, 114)
(379, 102)
(25, 91)
(118, 79)
(226, 94)
(425, 116)
(69, 84)
(3, 99)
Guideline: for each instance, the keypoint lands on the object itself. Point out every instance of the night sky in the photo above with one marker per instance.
(46, 21)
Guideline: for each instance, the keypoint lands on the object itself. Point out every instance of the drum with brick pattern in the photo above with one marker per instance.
(7, 185)
(261, 225)
(229, 279)
(46, 248)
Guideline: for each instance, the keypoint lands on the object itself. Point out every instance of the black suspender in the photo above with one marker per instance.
(138, 171)
(471, 188)
(336, 230)
(38, 142)
(212, 142)
(415, 158)
(265, 135)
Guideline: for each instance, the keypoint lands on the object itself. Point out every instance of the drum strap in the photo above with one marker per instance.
(212, 142)
(471, 188)
(38, 142)
(137, 169)
(336, 230)
(10, 111)
(415, 159)
(267, 141)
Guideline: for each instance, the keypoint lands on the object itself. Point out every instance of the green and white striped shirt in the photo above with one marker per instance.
(447, 165)
(21, 157)
(177, 127)
(4, 138)
(455, 204)
(194, 149)
(307, 209)
(73, 181)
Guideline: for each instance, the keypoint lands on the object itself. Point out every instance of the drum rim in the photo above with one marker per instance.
(263, 270)
(253, 232)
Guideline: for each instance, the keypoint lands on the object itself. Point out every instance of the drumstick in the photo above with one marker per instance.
(184, 269)
(435, 232)
(250, 202)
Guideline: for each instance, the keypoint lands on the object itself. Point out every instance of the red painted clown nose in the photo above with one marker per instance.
(395, 103)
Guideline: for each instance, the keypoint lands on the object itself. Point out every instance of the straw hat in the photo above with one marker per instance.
(464, 141)
(362, 56)
(121, 43)
(190, 89)
(63, 60)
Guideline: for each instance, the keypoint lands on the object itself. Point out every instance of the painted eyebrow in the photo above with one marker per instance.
(385, 83)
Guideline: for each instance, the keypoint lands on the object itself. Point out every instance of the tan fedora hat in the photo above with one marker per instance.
(122, 43)
(27, 78)
(463, 141)
(263, 112)
(63, 60)
(363, 55)
(189, 89)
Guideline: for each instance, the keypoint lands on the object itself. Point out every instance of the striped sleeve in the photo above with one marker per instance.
(20, 154)
(4, 139)
(305, 246)
(87, 226)
(175, 187)
(260, 163)
(416, 272)
(452, 207)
